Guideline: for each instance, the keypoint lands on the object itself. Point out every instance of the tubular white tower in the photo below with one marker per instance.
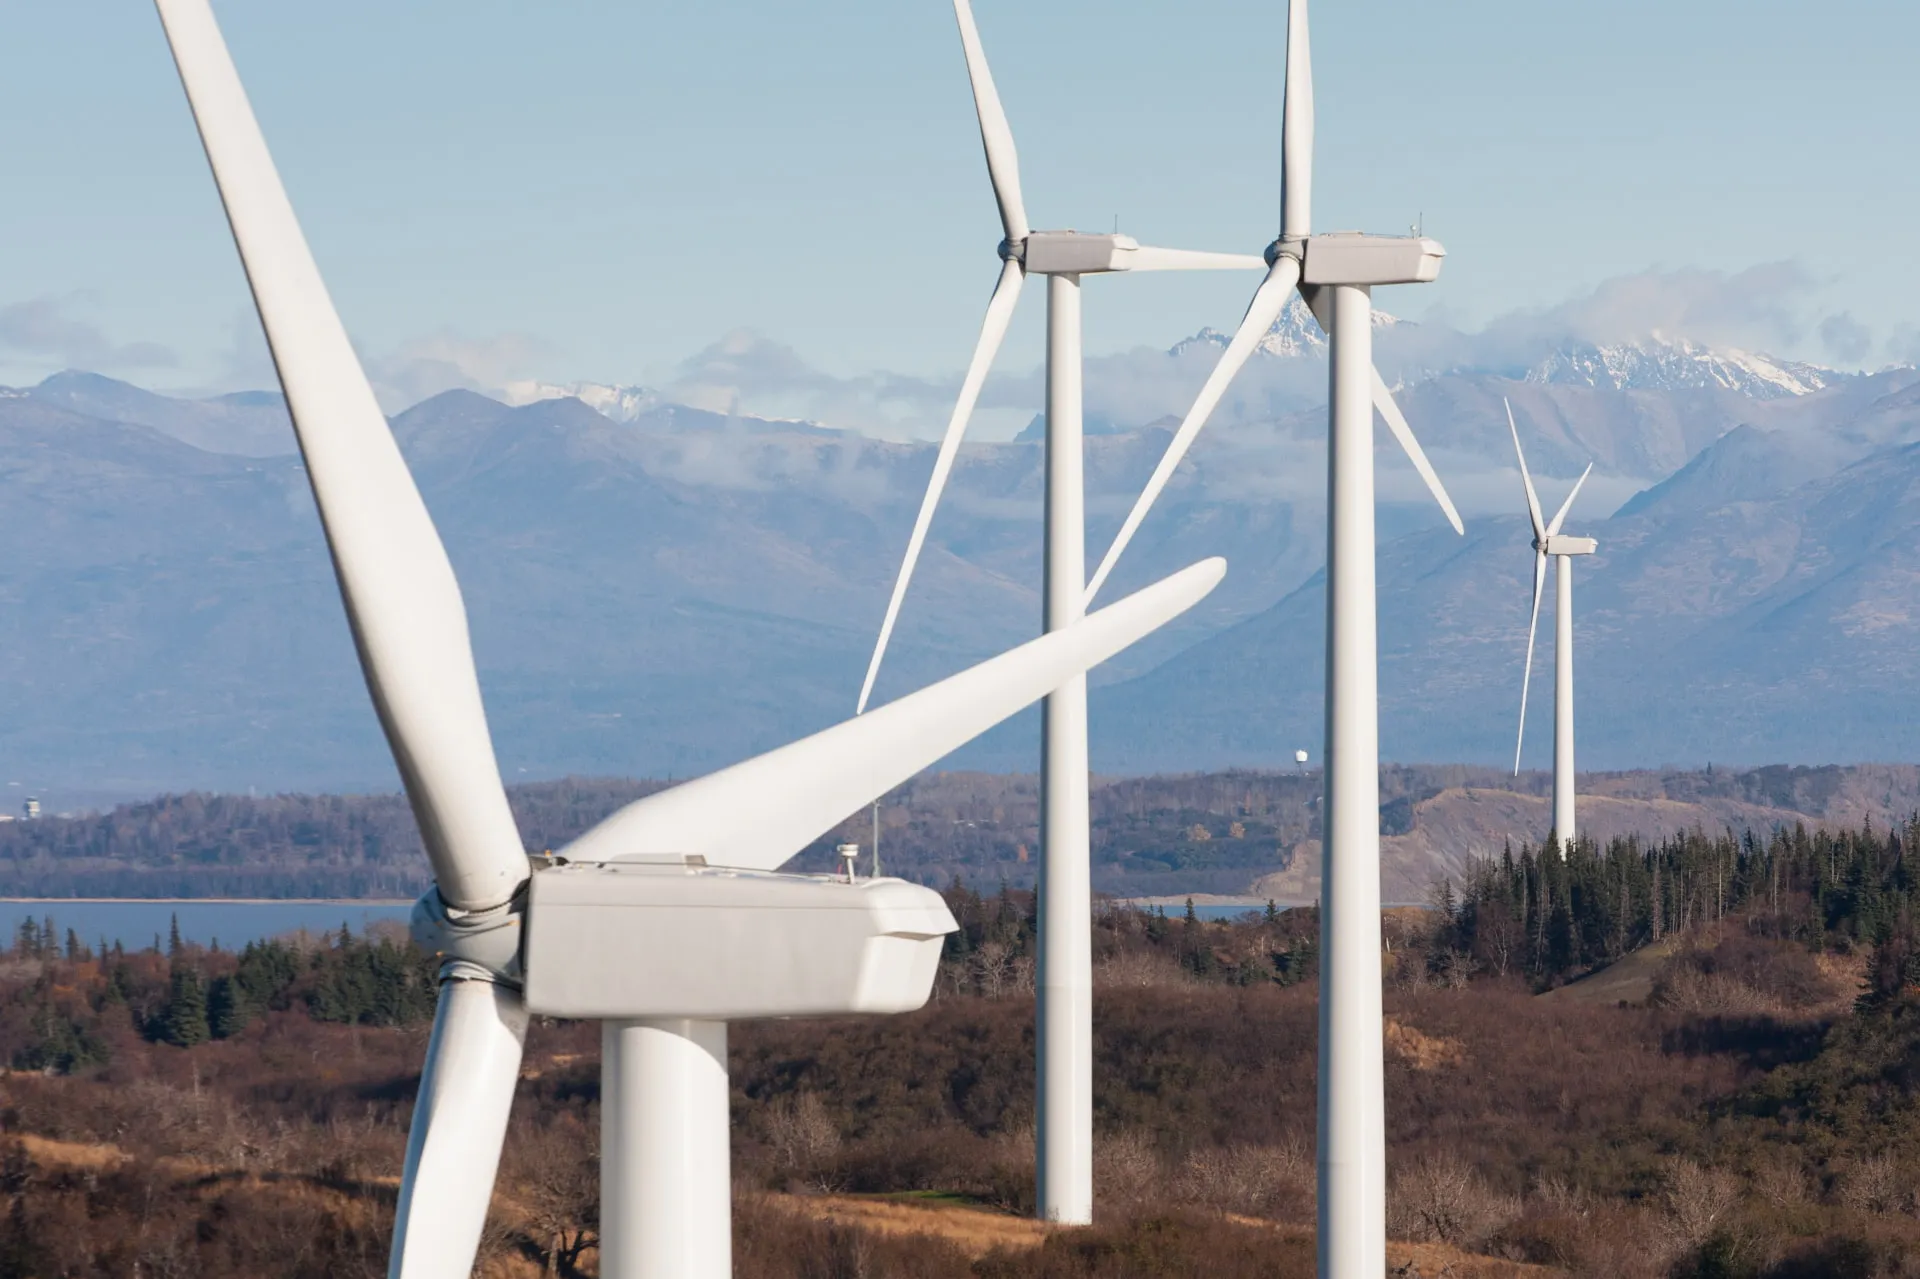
(1549, 541)
(1563, 821)
(1334, 275)
(666, 1194)
(1065, 1033)
(1352, 1125)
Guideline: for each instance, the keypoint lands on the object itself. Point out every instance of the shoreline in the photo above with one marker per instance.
(207, 901)
(1250, 903)
(1211, 899)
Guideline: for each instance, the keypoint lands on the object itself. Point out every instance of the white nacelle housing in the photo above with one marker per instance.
(1075, 253)
(1348, 257)
(1561, 544)
(626, 940)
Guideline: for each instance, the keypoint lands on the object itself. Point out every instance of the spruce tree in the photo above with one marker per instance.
(184, 1023)
(228, 1010)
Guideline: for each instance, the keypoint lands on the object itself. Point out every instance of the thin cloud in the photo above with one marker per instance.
(428, 366)
(747, 372)
(1845, 338)
(1766, 308)
(42, 329)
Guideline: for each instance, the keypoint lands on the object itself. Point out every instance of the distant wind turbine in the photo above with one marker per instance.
(1064, 1127)
(1549, 541)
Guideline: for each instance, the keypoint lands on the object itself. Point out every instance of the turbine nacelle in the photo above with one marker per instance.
(650, 939)
(1355, 258)
(1561, 544)
(654, 937)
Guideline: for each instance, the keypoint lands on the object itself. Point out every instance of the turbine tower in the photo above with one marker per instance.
(1548, 540)
(667, 919)
(1064, 1036)
(1335, 275)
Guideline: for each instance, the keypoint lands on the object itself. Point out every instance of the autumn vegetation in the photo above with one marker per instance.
(1693, 1058)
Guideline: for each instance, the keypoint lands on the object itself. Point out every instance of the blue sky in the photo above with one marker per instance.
(596, 190)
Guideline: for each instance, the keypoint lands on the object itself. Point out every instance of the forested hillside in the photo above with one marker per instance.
(1751, 1112)
(1237, 832)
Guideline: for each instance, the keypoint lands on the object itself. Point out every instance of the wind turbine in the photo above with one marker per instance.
(1549, 541)
(1285, 258)
(664, 921)
(1064, 1131)
(1335, 275)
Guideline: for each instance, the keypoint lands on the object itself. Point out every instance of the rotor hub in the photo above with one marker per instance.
(481, 945)
(1286, 247)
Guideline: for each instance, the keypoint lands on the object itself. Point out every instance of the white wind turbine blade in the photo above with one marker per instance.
(1559, 516)
(1268, 301)
(1533, 499)
(999, 314)
(1526, 672)
(996, 135)
(1296, 129)
(1397, 423)
(1148, 257)
(759, 813)
(459, 1125)
(402, 601)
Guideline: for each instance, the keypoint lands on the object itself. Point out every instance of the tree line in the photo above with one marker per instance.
(64, 1003)
(1553, 914)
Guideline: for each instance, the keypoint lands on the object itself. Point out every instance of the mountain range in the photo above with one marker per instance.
(658, 589)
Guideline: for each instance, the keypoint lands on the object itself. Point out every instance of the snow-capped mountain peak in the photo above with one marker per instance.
(1296, 332)
(621, 403)
(1659, 363)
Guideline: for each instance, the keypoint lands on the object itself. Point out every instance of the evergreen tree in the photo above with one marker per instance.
(174, 943)
(376, 984)
(228, 1011)
(1194, 952)
(58, 1043)
(183, 1023)
(266, 975)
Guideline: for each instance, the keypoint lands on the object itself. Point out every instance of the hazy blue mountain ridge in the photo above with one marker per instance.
(664, 594)
(1738, 628)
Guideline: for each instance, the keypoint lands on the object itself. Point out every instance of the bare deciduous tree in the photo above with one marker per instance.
(1260, 1181)
(1698, 1201)
(993, 968)
(558, 1164)
(803, 1139)
(1441, 1197)
(1126, 1167)
(1877, 1186)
